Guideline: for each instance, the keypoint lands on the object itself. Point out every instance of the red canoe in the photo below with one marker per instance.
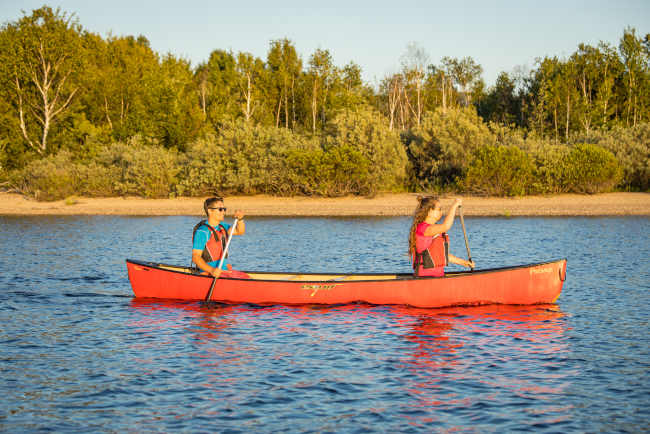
(524, 284)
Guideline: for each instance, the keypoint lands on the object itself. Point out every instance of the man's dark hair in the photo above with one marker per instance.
(209, 202)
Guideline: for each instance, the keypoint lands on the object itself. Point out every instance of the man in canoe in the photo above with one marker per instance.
(210, 237)
(429, 242)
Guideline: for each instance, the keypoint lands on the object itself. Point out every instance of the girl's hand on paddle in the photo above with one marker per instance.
(457, 202)
(471, 264)
(216, 272)
(239, 214)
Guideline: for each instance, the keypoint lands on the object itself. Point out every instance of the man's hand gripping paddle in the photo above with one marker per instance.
(223, 257)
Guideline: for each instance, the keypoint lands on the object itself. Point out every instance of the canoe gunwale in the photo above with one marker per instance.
(400, 276)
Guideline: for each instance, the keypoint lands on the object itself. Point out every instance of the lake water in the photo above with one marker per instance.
(79, 353)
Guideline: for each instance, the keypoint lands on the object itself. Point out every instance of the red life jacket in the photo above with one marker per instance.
(216, 243)
(436, 255)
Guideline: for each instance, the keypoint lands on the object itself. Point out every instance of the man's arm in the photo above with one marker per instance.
(240, 229)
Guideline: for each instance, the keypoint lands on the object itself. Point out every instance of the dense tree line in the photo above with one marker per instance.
(66, 89)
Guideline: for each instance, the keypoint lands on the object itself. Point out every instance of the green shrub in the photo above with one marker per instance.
(630, 146)
(337, 172)
(56, 177)
(591, 169)
(442, 145)
(552, 169)
(204, 172)
(368, 133)
(248, 159)
(150, 171)
(498, 171)
(242, 159)
(132, 168)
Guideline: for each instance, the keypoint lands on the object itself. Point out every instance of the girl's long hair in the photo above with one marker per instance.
(419, 215)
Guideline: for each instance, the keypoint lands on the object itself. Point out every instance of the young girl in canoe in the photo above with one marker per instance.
(429, 242)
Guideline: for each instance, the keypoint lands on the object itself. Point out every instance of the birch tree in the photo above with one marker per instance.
(249, 69)
(42, 58)
(610, 67)
(588, 61)
(352, 84)
(284, 65)
(122, 74)
(414, 64)
(319, 79)
(466, 75)
(392, 86)
(520, 75)
(636, 73)
(203, 87)
(567, 79)
(222, 79)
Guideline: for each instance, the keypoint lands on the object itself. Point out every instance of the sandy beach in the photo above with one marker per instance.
(388, 204)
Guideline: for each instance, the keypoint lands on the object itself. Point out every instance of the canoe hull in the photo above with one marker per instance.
(529, 284)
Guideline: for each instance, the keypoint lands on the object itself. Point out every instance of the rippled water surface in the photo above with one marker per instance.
(79, 353)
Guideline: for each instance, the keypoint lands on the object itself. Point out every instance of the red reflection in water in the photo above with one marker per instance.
(441, 345)
(529, 334)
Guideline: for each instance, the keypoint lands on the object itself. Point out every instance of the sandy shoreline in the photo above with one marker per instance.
(388, 204)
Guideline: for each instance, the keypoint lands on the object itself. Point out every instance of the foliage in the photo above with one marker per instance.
(592, 169)
(336, 172)
(57, 176)
(40, 65)
(631, 146)
(241, 159)
(249, 160)
(499, 171)
(150, 171)
(546, 168)
(442, 145)
(368, 133)
(552, 169)
(149, 124)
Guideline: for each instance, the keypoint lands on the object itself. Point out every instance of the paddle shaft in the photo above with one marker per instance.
(223, 257)
(462, 221)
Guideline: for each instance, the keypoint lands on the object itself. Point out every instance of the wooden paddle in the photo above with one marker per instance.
(223, 257)
(462, 221)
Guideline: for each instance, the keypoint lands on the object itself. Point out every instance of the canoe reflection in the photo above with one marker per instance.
(541, 326)
(431, 329)
(505, 350)
(496, 352)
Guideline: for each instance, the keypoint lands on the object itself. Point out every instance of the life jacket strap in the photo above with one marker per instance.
(416, 264)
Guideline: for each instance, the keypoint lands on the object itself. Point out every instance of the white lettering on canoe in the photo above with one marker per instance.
(316, 288)
(540, 270)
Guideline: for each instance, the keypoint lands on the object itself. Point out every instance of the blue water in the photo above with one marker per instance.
(79, 353)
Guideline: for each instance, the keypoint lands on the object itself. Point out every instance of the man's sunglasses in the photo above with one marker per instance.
(219, 209)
